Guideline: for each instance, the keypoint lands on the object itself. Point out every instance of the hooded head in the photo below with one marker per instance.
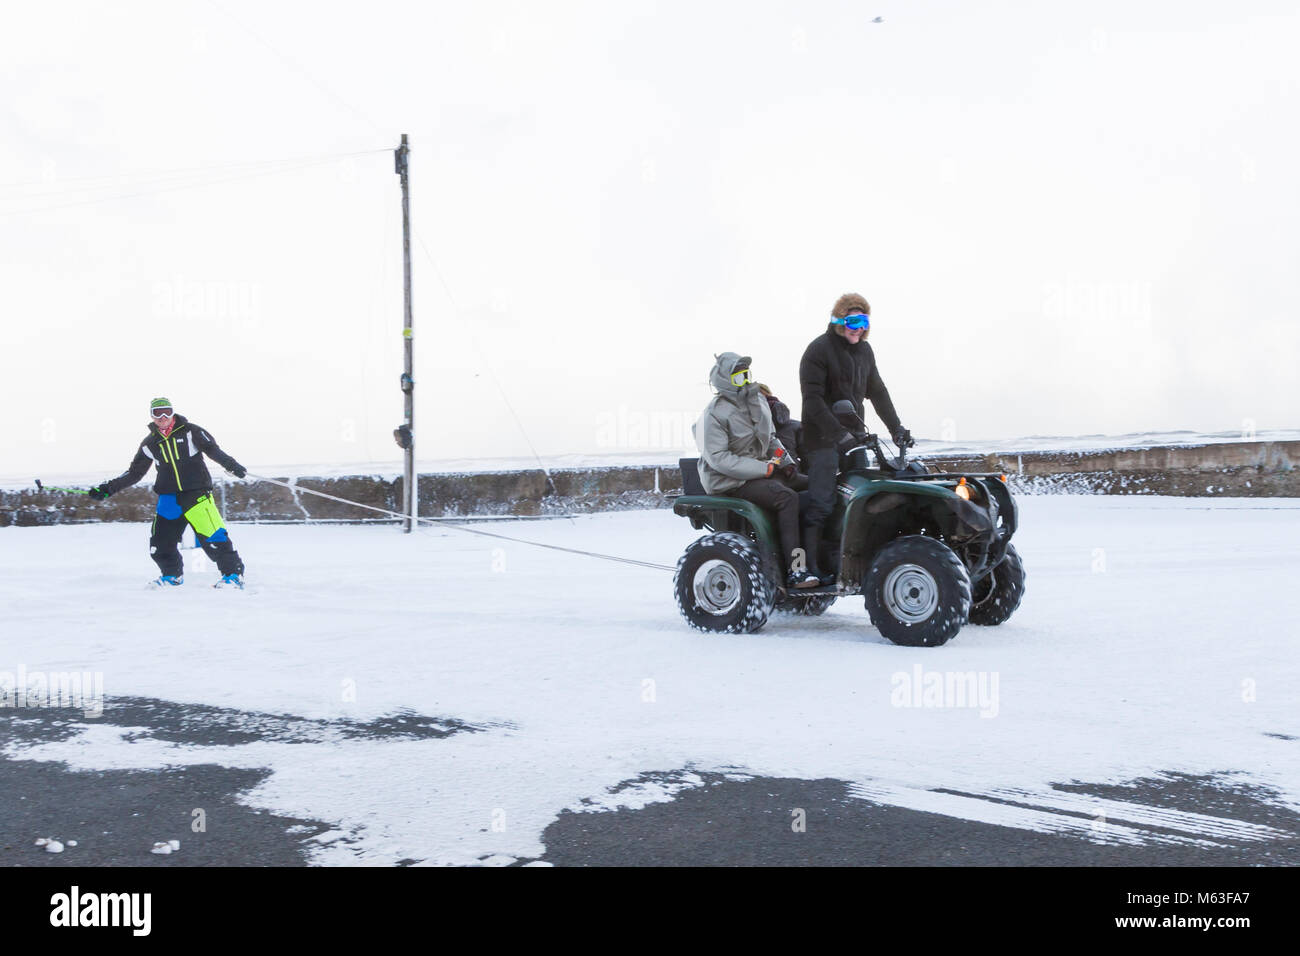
(726, 365)
(850, 303)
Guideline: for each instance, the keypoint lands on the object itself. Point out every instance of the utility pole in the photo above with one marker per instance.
(405, 434)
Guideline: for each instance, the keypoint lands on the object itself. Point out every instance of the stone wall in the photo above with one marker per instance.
(1237, 469)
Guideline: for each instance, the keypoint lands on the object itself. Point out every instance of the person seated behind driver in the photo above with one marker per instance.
(787, 429)
(739, 457)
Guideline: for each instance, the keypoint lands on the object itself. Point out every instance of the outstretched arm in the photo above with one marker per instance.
(139, 465)
(882, 403)
(210, 448)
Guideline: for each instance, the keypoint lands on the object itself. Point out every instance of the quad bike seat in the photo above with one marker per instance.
(720, 512)
(693, 491)
(691, 484)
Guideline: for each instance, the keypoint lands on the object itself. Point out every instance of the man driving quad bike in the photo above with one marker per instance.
(838, 365)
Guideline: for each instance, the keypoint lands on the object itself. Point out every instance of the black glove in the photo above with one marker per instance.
(238, 470)
(787, 470)
(902, 437)
(99, 492)
(847, 440)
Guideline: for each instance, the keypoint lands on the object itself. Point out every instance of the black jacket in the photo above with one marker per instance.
(179, 458)
(787, 428)
(831, 370)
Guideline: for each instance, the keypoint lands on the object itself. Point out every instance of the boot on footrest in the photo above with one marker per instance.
(799, 580)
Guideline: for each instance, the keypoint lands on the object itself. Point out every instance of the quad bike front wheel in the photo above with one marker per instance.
(722, 586)
(917, 591)
(995, 597)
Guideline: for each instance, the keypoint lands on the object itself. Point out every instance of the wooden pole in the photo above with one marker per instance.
(408, 380)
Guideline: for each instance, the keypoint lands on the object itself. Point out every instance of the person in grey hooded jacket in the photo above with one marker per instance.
(740, 456)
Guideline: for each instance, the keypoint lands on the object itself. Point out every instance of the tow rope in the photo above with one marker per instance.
(450, 523)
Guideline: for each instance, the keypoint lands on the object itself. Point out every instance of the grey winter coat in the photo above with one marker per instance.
(735, 434)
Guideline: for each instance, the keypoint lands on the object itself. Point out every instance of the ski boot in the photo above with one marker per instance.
(801, 580)
(167, 581)
(230, 581)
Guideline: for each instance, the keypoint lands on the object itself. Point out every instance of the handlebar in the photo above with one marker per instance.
(847, 415)
(873, 442)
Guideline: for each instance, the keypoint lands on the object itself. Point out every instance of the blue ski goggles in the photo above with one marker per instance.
(854, 322)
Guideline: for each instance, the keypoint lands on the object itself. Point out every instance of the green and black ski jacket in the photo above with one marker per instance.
(179, 458)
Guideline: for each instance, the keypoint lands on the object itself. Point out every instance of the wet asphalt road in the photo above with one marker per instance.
(116, 816)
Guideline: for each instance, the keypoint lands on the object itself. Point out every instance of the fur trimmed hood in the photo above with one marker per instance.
(849, 302)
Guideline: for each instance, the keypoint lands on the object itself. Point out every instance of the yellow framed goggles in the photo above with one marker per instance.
(741, 377)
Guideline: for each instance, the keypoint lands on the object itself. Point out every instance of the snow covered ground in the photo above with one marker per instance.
(1157, 636)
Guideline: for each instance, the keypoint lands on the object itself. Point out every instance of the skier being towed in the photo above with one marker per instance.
(184, 488)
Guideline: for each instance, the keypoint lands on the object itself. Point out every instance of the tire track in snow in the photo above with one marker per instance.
(1212, 827)
(1076, 815)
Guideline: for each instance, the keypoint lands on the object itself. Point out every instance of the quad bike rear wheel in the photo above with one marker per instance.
(917, 591)
(995, 597)
(722, 585)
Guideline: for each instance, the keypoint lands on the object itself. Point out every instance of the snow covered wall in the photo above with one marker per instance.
(1235, 469)
(1245, 469)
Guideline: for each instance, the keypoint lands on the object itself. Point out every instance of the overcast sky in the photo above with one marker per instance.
(1069, 218)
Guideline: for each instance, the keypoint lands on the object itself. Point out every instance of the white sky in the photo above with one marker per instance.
(1069, 219)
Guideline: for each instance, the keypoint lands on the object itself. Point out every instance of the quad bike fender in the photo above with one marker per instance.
(1008, 515)
(878, 511)
(719, 513)
(865, 488)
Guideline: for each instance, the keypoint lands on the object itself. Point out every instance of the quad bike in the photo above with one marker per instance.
(929, 552)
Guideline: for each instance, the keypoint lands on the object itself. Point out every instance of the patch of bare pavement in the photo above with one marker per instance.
(711, 819)
(116, 816)
(1172, 820)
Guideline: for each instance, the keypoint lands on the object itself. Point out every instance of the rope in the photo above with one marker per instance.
(443, 522)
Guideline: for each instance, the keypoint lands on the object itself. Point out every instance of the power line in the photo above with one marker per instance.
(192, 185)
(486, 364)
(179, 171)
(298, 68)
